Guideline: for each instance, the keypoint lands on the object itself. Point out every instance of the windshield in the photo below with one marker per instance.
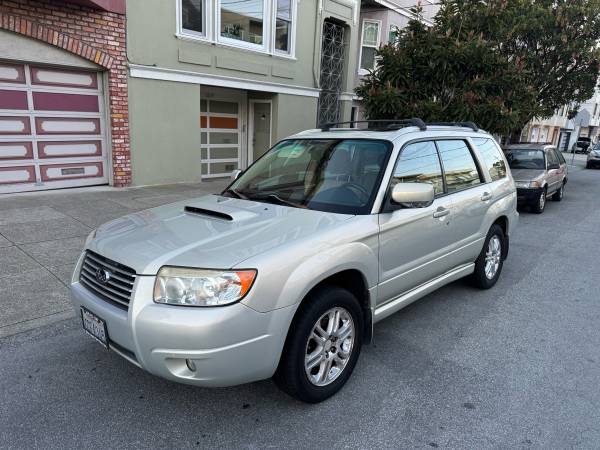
(525, 159)
(333, 175)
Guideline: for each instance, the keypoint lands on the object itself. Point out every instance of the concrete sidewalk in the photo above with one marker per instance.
(41, 237)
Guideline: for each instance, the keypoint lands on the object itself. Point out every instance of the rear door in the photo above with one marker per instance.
(415, 242)
(554, 176)
(470, 196)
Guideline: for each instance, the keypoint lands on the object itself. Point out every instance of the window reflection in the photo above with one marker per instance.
(459, 166)
(419, 163)
(243, 20)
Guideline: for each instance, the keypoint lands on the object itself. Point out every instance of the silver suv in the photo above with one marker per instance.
(286, 272)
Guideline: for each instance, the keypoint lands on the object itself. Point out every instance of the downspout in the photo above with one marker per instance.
(317, 49)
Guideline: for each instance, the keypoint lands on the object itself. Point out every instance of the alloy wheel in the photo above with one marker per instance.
(542, 201)
(492, 257)
(329, 346)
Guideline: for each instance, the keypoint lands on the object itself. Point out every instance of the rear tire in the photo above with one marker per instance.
(311, 340)
(558, 195)
(488, 265)
(540, 204)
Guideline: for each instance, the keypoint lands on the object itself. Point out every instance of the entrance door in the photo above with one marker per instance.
(52, 130)
(222, 131)
(260, 125)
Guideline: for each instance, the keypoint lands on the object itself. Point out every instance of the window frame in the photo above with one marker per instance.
(292, 51)
(191, 34)
(379, 23)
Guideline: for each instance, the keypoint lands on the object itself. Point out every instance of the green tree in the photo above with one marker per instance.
(498, 63)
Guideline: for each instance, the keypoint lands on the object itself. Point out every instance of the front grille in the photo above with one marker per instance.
(117, 289)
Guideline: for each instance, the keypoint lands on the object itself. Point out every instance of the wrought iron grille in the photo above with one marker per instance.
(331, 76)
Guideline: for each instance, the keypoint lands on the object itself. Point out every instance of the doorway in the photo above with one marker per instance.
(260, 125)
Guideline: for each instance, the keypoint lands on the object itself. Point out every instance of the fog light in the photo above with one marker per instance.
(190, 365)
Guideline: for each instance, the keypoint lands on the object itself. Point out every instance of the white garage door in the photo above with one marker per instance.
(52, 131)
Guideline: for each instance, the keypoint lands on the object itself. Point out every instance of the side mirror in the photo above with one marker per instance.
(414, 195)
(235, 174)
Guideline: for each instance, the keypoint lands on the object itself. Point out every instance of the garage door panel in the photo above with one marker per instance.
(12, 73)
(56, 172)
(64, 78)
(16, 150)
(51, 101)
(11, 99)
(69, 149)
(14, 175)
(14, 125)
(66, 125)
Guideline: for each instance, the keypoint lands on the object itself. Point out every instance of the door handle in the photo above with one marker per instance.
(441, 212)
(486, 196)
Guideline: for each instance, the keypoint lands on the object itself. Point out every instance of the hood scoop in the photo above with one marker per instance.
(208, 212)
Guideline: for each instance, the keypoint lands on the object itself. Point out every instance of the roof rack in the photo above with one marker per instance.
(391, 124)
(470, 125)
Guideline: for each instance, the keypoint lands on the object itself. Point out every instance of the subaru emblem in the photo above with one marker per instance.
(103, 275)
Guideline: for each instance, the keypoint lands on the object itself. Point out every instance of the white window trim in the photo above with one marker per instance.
(212, 34)
(362, 71)
(191, 34)
(292, 51)
(244, 44)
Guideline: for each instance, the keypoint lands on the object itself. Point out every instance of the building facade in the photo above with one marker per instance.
(380, 21)
(214, 83)
(63, 94)
(564, 132)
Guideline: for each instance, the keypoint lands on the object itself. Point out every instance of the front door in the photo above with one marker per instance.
(260, 124)
(415, 242)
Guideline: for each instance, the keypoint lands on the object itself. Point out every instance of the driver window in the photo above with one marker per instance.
(419, 163)
(551, 158)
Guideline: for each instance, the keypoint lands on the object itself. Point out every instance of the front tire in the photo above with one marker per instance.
(540, 204)
(558, 195)
(488, 265)
(322, 346)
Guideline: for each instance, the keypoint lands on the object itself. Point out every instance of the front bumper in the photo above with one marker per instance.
(228, 345)
(593, 160)
(527, 195)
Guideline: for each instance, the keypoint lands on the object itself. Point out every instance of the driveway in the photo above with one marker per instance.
(516, 366)
(41, 237)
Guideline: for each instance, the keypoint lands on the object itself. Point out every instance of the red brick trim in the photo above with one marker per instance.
(34, 30)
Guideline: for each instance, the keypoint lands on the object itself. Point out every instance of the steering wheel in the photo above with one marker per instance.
(356, 188)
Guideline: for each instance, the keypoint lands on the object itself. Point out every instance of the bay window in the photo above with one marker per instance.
(266, 26)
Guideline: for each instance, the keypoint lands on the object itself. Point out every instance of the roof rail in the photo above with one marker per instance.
(470, 125)
(391, 124)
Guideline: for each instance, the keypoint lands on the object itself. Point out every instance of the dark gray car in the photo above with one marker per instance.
(539, 170)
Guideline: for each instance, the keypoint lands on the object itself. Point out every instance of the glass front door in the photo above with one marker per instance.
(260, 128)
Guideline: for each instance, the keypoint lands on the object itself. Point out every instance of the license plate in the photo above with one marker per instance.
(94, 326)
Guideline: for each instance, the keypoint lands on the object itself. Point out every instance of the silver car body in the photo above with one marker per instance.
(398, 256)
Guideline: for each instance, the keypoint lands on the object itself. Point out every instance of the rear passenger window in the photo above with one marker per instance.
(560, 157)
(419, 163)
(460, 168)
(552, 158)
(492, 157)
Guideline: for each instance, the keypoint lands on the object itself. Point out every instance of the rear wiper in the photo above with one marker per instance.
(236, 194)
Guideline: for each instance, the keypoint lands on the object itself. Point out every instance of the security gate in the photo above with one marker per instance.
(332, 69)
(51, 128)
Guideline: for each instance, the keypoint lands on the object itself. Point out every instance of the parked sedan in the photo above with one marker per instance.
(539, 170)
(582, 145)
(593, 157)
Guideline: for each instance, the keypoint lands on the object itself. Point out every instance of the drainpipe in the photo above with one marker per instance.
(317, 49)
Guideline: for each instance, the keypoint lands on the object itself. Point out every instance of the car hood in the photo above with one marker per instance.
(527, 174)
(208, 232)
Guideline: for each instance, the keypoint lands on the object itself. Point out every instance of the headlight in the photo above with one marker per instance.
(201, 287)
(527, 184)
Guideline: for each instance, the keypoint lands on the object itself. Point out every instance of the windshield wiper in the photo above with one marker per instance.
(236, 194)
(274, 198)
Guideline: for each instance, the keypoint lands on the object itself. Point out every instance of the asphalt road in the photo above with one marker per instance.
(513, 367)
